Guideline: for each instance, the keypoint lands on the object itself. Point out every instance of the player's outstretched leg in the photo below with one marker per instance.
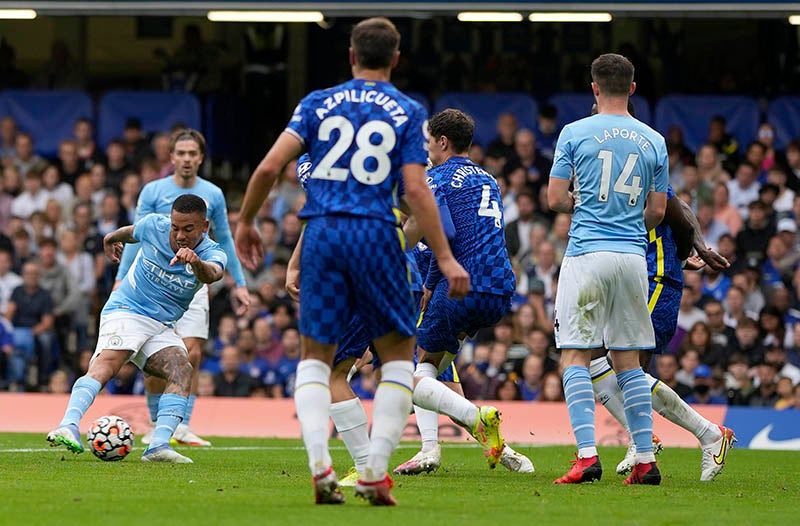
(580, 404)
(483, 422)
(67, 433)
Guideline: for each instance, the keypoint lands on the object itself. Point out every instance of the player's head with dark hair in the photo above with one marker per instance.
(188, 220)
(187, 134)
(613, 74)
(451, 132)
(374, 43)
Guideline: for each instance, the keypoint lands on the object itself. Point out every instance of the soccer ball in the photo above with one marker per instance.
(110, 438)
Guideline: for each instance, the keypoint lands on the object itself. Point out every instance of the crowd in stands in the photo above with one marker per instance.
(738, 336)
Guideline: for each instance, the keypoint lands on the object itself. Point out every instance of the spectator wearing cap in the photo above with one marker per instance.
(702, 388)
(137, 149)
(753, 239)
(743, 188)
(793, 350)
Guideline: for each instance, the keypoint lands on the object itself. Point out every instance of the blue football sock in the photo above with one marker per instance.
(189, 408)
(153, 400)
(170, 413)
(83, 394)
(580, 404)
(638, 408)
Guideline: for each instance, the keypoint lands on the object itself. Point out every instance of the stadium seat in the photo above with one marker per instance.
(158, 111)
(486, 107)
(784, 114)
(48, 116)
(693, 114)
(574, 106)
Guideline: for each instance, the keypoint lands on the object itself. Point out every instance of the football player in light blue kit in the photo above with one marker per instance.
(363, 137)
(616, 165)
(187, 149)
(176, 259)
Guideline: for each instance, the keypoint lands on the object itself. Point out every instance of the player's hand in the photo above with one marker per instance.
(293, 283)
(248, 246)
(183, 256)
(426, 298)
(240, 300)
(113, 251)
(694, 263)
(713, 259)
(366, 359)
(457, 278)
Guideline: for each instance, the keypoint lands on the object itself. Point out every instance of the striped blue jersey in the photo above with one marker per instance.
(157, 198)
(475, 206)
(663, 265)
(153, 287)
(358, 136)
(613, 162)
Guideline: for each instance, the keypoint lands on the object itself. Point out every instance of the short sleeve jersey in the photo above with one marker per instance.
(153, 287)
(476, 209)
(358, 136)
(613, 162)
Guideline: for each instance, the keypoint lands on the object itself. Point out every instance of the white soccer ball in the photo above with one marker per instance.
(110, 438)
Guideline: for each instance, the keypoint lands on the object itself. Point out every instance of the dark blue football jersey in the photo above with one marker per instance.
(663, 265)
(476, 208)
(358, 136)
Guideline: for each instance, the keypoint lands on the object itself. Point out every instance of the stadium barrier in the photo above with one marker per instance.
(523, 422)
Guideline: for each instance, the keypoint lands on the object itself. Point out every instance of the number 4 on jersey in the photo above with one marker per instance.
(489, 208)
(621, 186)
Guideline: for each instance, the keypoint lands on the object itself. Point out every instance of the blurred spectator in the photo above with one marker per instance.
(33, 199)
(701, 389)
(793, 164)
(747, 334)
(753, 297)
(559, 236)
(477, 154)
(518, 231)
(205, 384)
(54, 188)
(722, 335)
(709, 166)
(552, 388)
(161, 153)
(137, 149)
(743, 188)
(117, 164)
(753, 239)
(738, 382)
(291, 227)
(724, 142)
(666, 369)
(69, 163)
(536, 166)
(87, 150)
(725, 212)
(60, 382)
(689, 360)
(689, 313)
(765, 394)
(473, 373)
(711, 228)
(81, 267)
(61, 71)
(129, 381)
(698, 189)
(30, 311)
(785, 391)
(63, 288)
(25, 158)
(507, 391)
(22, 249)
(544, 271)
(231, 380)
(364, 384)
(111, 216)
(785, 200)
(9, 280)
(755, 155)
(547, 130)
(501, 149)
(282, 383)
(530, 383)
(766, 136)
(8, 138)
(715, 284)
(130, 188)
(775, 354)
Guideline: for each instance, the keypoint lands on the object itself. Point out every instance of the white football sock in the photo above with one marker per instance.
(350, 420)
(431, 394)
(668, 404)
(607, 390)
(390, 411)
(428, 424)
(312, 399)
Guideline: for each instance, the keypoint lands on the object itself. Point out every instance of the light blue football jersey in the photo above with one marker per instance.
(157, 198)
(613, 161)
(152, 287)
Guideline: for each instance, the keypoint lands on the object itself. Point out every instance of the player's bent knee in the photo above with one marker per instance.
(425, 370)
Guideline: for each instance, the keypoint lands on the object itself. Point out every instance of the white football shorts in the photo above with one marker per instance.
(602, 302)
(194, 322)
(133, 332)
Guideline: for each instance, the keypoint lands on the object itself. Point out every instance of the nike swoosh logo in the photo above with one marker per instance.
(726, 443)
(763, 441)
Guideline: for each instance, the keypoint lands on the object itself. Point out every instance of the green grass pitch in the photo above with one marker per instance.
(258, 481)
